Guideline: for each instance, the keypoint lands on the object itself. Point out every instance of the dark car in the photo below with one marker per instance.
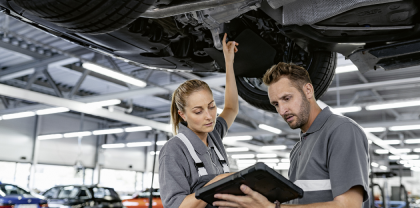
(185, 35)
(12, 196)
(82, 196)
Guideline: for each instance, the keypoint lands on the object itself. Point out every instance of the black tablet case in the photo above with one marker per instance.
(258, 177)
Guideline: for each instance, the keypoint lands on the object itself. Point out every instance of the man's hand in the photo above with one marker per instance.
(252, 199)
(229, 50)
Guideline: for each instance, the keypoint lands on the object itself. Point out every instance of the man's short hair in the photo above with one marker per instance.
(297, 75)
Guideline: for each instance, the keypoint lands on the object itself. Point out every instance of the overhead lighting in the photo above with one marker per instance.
(416, 150)
(109, 146)
(410, 157)
(412, 141)
(348, 109)
(404, 128)
(160, 143)
(345, 69)
(108, 131)
(382, 151)
(237, 149)
(284, 160)
(153, 153)
(375, 129)
(383, 167)
(77, 134)
(397, 151)
(18, 115)
(269, 128)
(246, 161)
(374, 164)
(269, 160)
(52, 111)
(266, 155)
(282, 166)
(408, 165)
(139, 144)
(416, 169)
(50, 136)
(393, 105)
(238, 138)
(391, 141)
(219, 110)
(114, 74)
(243, 156)
(138, 128)
(274, 147)
(394, 157)
(100, 104)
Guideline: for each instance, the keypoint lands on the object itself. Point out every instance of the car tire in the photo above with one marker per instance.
(87, 16)
(321, 71)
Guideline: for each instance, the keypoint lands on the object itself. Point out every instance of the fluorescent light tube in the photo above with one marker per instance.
(18, 115)
(266, 155)
(374, 164)
(284, 160)
(238, 138)
(416, 150)
(109, 146)
(52, 111)
(383, 167)
(77, 134)
(114, 74)
(243, 156)
(237, 149)
(348, 109)
(410, 157)
(412, 141)
(396, 151)
(160, 143)
(246, 161)
(100, 104)
(108, 131)
(375, 129)
(393, 105)
(394, 157)
(50, 136)
(282, 166)
(274, 147)
(382, 151)
(269, 160)
(345, 69)
(138, 128)
(404, 128)
(153, 152)
(269, 128)
(391, 141)
(139, 144)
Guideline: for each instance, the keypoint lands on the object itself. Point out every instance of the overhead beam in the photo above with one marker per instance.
(32, 64)
(52, 83)
(374, 85)
(79, 107)
(21, 50)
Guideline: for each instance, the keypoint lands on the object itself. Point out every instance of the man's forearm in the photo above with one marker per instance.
(331, 204)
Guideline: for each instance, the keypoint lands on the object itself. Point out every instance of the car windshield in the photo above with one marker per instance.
(105, 193)
(68, 192)
(7, 189)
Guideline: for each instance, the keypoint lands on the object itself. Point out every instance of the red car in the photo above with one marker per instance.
(141, 200)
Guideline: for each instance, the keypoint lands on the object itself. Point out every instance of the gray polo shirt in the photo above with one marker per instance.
(330, 158)
(178, 176)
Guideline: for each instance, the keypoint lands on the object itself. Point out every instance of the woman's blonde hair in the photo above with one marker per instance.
(179, 98)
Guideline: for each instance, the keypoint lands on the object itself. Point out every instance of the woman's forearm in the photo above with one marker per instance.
(191, 201)
(231, 91)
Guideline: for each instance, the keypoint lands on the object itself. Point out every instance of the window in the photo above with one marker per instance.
(120, 180)
(69, 192)
(12, 190)
(105, 193)
(52, 193)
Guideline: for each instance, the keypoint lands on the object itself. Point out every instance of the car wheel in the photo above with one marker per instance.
(87, 16)
(321, 69)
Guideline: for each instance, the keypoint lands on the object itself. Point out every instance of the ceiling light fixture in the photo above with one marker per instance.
(398, 151)
(282, 166)
(285, 160)
(160, 143)
(375, 129)
(108, 131)
(139, 144)
(374, 164)
(382, 151)
(237, 149)
(266, 155)
(50, 136)
(404, 128)
(114, 74)
(391, 142)
(238, 138)
(138, 128)
(383, 167)
(345, 69)
(18, 115)
(412, 141)
(393, 105)
(52, 111)
(269, 128)
(243, 156)
(348, 109)
(274, 147)
(269, 160)
(77, 134)
(109, 146)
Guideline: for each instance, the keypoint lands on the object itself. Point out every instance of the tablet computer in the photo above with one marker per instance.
(258, 177)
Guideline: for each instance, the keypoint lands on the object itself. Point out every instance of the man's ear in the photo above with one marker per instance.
(180, 113)
(308, 89)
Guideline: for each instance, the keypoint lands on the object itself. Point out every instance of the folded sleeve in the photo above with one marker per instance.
(348, 159)
(174, 186)
(221, 127)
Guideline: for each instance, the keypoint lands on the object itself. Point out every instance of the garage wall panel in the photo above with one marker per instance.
(16, 139)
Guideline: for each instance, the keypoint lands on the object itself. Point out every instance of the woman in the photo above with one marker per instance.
(195, 157)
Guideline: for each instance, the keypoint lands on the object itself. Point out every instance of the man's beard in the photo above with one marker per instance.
(303, 116)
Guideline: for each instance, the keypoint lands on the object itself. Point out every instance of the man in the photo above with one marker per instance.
(330, 162)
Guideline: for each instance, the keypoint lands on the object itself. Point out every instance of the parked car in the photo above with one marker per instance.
(82, 196)
(12, 196)
(185, 35)
(141, 200)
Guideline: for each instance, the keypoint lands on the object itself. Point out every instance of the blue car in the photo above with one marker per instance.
(11, 196)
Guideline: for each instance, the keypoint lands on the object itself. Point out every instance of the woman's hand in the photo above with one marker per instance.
(229, 50)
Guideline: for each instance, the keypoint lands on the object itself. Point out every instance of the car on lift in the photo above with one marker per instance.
(185, 36)
(12, 196)
(82, 196)
(141, 199)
